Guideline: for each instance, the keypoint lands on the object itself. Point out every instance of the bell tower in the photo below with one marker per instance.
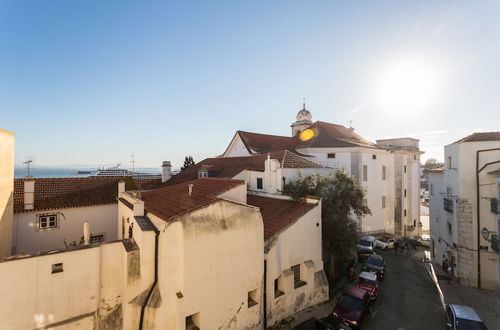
(303, 120)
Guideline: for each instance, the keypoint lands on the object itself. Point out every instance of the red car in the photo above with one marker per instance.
(368, 282)
(353, 306)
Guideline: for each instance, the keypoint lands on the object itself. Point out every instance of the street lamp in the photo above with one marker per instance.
(486, 233)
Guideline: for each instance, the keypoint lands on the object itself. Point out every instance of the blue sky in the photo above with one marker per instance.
(90, 82)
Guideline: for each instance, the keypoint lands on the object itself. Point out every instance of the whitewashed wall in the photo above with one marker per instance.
(298, 244)
(29, 238)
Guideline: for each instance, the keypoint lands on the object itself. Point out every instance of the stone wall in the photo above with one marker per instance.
(465, 262)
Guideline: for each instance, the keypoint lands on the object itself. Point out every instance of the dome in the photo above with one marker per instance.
(304, 114)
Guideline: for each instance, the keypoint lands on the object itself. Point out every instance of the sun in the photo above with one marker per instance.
(407, 86)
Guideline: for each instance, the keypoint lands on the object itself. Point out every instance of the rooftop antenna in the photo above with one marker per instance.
(350, 123)
(28, 162)
(133, 163)
(303, 103)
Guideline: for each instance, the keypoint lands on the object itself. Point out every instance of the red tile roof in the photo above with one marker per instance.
(57, 193)
(325, 135)
(483, 136)
(228, 167)
(172, 201)
(278, 213)
(333, 135)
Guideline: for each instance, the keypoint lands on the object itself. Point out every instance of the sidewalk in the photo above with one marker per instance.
(485, 302)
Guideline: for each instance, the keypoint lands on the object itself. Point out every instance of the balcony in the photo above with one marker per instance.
(495, 206)
(448, 204)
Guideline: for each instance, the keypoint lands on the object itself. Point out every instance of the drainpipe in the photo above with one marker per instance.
(146, 301)
(478, 229)
(265, 294)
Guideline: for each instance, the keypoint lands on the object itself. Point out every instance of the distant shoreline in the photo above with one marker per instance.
(65, 172)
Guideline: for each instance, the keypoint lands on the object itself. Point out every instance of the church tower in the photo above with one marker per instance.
(303, 120)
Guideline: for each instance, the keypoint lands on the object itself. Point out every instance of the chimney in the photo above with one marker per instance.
(29, 193)
(190, 189)
(121, 187)
(165, 171)
(86, 233)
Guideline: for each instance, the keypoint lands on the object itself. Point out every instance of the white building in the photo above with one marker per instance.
(6, 190)
(191, 255)
(49, 213)
(388, 170)
(464, 207)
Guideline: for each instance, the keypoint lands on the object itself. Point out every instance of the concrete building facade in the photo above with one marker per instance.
(464, 218)
(6, 191)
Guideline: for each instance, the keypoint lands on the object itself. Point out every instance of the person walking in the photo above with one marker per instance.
(396, 246)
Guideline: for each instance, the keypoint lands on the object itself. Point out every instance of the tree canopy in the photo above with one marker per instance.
(188, 162)
(343, 203)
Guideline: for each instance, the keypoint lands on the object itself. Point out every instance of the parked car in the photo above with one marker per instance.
(368, 282)
(353, 306)
(375, 264)
(327, 323)
(366, 244)
(425, 240)
(385, 242)
(463, 318)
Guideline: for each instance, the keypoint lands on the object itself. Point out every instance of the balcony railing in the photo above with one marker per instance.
(448, 204)
(495, 243)
(495, 206)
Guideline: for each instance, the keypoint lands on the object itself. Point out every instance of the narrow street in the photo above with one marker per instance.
(408, 298)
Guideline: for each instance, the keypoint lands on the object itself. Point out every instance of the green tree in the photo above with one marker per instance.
(188, 162)
(343, 202)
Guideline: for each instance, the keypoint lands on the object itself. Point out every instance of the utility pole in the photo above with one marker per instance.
(133, 163)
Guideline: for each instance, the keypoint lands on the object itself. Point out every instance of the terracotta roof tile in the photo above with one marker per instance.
(172, 201)
(57, 193)
(326, 135)
(228, 167)
(278, 213)
(483, 136)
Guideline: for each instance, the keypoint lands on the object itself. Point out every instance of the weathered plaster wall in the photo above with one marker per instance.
(29, 238)
(6, 190)
(300, 244)
(213, 257)
(86, 292)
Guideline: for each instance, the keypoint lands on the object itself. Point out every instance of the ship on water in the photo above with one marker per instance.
(117, 171)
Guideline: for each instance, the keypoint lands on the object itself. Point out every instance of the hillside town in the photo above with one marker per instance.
(221, 245)
(249, 165)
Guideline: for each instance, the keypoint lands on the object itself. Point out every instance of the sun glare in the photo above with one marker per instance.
(407, 87)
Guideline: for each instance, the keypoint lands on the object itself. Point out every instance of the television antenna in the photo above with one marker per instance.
(28, 162)
(133, 163)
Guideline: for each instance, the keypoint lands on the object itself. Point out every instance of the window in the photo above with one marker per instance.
(383, 202)
(449, 162)
(383, 172)
(278, 290)
(374, 156)
(365, 172)
(98, 238)
(405, 213)
(57, 268)
(405, 193)
(202, 174)
(405, 168)
(432, 189)
(47, 221)
(193, 321)
(449, 228)
(414, 157)
(259, 183)
(449, 192)
(330, 155)
(297, 281)
(252, 298)
(414, 223)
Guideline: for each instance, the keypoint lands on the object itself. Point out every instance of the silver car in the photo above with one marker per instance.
(463, 318)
